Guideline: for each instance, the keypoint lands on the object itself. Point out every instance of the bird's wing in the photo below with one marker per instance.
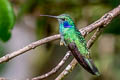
(78, 33)
(86, 63)
(81, 43)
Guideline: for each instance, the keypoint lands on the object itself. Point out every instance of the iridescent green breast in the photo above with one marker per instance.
(71, 35)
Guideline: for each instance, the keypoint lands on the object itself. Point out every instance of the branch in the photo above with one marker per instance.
(101, 22)
(28, 47)
(94, 37)
(54, 70)
(67, 70)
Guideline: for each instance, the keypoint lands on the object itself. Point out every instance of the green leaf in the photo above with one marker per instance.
(7, 20)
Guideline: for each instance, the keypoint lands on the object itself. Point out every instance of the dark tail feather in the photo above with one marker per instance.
(86, 63)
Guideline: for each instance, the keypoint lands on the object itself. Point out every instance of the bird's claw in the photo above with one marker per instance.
(61, 43)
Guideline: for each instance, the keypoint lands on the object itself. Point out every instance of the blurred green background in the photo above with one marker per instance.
(31, 27)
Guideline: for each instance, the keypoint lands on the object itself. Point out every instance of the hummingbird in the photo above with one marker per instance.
(72, 38)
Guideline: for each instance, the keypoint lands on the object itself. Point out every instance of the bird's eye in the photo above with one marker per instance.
(63, 19)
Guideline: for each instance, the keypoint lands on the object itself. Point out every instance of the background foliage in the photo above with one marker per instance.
(31, 27)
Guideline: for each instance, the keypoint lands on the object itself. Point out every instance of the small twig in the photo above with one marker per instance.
(67, 70)
(54, 70)
(94, 37)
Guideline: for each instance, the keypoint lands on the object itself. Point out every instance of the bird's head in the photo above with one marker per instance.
(64, 19)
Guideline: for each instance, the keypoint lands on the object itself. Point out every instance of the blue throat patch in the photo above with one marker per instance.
(66, 24)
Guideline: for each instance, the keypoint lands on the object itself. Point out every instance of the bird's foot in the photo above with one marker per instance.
(87, 56)
(61, 43)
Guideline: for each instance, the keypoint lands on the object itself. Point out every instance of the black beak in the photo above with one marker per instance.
(50, 16)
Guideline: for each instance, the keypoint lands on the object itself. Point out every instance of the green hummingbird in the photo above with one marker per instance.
(73, 39)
